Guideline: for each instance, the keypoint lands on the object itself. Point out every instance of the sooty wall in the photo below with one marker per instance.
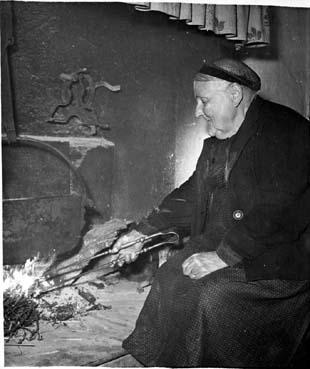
(152, 58)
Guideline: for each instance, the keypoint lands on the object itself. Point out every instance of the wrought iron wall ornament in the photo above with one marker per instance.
(77, 100)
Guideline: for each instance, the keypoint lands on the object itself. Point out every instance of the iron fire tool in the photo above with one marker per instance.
(174, 239)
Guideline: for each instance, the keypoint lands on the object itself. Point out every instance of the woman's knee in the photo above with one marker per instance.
(213, 296)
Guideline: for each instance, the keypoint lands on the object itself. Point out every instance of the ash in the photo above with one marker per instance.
(72, 302)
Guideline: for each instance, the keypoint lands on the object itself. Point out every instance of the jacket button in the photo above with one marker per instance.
(238, 214)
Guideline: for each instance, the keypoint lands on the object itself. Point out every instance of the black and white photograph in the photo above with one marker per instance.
(155, 184)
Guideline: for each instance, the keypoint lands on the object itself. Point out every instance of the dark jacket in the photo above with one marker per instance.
(268, 199)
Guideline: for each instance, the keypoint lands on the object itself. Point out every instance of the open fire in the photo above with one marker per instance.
(24, 279)
(29, 295)
(20, 309)
(25, 305)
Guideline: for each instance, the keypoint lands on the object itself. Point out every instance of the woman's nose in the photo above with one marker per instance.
(198, 110)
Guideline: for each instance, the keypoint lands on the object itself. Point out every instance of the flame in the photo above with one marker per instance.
(25, 279)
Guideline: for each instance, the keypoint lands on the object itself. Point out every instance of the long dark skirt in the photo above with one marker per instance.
(220, 320)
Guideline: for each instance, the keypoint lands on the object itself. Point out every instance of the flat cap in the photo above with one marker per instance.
(233, 71)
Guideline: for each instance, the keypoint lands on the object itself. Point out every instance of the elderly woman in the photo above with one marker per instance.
(238, 294)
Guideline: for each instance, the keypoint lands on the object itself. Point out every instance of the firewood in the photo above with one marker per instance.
(99, 238)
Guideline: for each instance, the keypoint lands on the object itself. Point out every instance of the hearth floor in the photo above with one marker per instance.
(86, 339)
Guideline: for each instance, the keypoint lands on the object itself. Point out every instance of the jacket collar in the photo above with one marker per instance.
(250, 126)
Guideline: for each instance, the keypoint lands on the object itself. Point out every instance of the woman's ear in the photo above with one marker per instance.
(236, 93)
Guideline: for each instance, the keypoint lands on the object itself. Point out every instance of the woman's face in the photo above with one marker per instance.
(215, 107)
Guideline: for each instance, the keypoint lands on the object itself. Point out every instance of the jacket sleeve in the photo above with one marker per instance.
(270, 227)
(174, 212)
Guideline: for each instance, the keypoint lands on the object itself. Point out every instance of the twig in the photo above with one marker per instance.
(48, 353)
(19, 344)
(20, 315)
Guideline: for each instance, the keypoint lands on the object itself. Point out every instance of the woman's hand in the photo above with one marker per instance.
(129, 254)
(203, 263)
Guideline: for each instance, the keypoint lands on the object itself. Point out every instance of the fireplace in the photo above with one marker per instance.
(43, 198)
